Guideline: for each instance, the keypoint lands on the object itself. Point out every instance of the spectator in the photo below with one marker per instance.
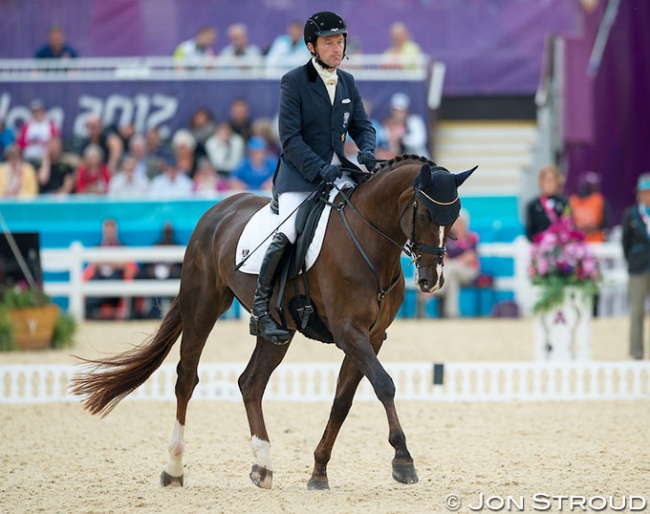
(17, 177)
(183, 145)
(171, 183)
(56, 47)
(138, 150)
(161, 271)
(109, 308)
(288, 50)
(382, 142)
(589, 208)
(202, 127)
(403, 52)
(109, 142)
(7, 136)
(225, 149)
(207, 182)
(256, 170)
(35, 133)
(199, 46)
(54, 175)
(240, 121)
(127, 183)
(124, 132)
(636, 248)
(155, 149)
(93, 176)
(405, 132)
(263, 127)
(549, 206)
(239, 47)
(461, 265)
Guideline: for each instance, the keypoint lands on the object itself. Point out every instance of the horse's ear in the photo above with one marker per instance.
(425, 176)
(462, 176)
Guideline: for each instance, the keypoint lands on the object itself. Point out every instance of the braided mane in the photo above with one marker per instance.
(405, 157)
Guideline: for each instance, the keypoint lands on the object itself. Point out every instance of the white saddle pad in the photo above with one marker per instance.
(265, 222)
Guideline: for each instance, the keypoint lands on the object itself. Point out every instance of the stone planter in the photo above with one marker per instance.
(564, 332)
(34, 326)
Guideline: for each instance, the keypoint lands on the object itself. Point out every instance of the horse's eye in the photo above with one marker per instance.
(422, 217)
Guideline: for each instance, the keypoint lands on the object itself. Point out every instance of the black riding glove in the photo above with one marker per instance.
(367, 158)
(330, 172)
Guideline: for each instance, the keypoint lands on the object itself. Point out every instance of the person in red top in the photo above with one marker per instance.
(589, 208)
(35, 133)
(461, 265)
(93, 176)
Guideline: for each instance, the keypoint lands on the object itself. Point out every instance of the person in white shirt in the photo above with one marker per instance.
(406, 132)
(171, 183)
(225, 149)
(127, 183)
(35, 134)
(288, 50)
(239, 47)
(199, 46)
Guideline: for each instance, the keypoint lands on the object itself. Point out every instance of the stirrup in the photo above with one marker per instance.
(282, 337)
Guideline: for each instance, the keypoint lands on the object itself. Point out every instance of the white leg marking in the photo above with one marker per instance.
(439, 266)
(176, 448)
(262, 452)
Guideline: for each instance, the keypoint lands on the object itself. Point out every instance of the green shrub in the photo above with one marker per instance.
(6, 333)
(64, 330)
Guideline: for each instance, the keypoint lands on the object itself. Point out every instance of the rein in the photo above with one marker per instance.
(410, 248)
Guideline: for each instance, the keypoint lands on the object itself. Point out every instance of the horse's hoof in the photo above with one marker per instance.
(405, 473)
(261, 477)
(166, 480)
(318, 484)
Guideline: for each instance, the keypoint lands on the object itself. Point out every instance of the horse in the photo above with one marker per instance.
(356, 285)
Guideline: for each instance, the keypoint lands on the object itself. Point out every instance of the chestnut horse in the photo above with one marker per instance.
(356, 285)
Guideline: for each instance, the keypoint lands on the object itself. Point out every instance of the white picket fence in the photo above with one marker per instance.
(310, 382)
(73, 260)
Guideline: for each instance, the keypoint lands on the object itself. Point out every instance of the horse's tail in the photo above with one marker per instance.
(109, 380)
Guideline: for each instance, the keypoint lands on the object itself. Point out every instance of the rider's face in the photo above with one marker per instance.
(330, 49)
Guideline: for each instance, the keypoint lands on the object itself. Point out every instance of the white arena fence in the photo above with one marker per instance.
(72, 260)
(415, 381)
(212, 68)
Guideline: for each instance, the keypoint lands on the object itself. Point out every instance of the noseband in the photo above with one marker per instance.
(414, 249)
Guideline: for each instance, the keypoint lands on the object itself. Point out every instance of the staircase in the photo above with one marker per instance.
(501, 149)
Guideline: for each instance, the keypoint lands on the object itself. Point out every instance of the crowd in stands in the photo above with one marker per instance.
(207, 158)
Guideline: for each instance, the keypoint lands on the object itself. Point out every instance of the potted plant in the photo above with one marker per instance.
(29, 320)
(566, 274)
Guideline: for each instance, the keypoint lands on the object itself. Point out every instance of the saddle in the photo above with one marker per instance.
(301, 308)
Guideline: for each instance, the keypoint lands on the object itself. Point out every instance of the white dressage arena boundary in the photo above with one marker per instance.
(310, 382)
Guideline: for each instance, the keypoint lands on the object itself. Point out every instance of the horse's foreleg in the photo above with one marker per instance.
(356, 346)
(252, 383)
(346, 387)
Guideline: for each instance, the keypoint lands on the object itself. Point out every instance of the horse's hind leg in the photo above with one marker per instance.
(200, 308)
(346, 387)
(252, 383)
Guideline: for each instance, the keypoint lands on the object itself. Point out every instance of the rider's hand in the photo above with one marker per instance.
(367, 158)
(330, 172)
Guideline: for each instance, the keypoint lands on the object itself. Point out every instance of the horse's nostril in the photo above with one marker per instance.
(424, 284)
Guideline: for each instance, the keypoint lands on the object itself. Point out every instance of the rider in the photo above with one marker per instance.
(319, 106)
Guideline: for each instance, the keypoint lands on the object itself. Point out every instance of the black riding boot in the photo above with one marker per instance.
(262, 324)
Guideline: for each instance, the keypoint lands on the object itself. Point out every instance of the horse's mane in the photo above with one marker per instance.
(389, 164)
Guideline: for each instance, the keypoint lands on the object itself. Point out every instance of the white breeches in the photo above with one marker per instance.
(287, 204)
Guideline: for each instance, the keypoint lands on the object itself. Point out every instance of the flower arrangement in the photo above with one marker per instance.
(21, 296)
(560, 258)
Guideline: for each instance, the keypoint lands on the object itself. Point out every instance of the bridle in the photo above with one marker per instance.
(411, 247)
(414, 249)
